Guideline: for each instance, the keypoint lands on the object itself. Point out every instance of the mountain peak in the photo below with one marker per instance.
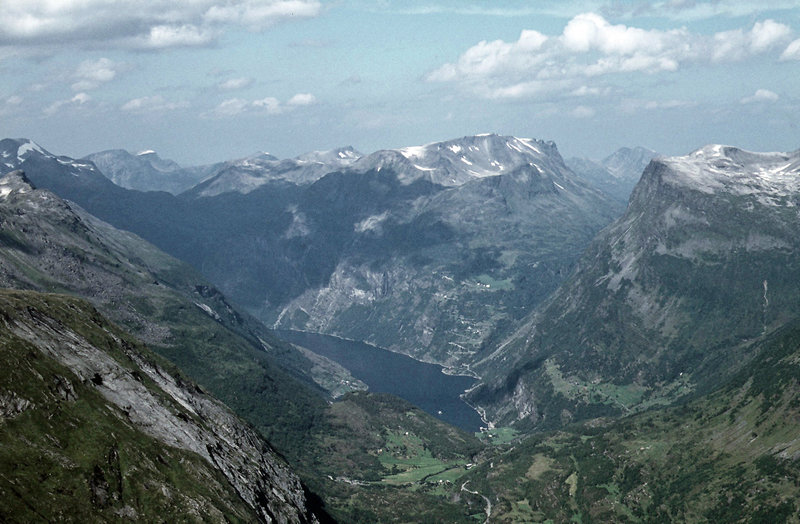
(718, 167)
(455, 162)
(18, 149)
(340, 156)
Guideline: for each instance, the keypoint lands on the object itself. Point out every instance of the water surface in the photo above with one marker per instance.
(384, 371)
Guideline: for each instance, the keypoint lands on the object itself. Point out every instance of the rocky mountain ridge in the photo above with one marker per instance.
(647, 316)
(146, 399)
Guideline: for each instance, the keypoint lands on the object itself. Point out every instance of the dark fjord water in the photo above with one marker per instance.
(384, 371)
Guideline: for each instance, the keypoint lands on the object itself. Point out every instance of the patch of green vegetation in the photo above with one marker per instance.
(499, 436)
(67, 454)
(731, 455)
(494, 284)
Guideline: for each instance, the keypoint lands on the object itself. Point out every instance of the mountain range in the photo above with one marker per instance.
(633, 364)
(438, 245)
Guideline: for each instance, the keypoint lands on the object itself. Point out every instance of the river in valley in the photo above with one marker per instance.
(384, 371)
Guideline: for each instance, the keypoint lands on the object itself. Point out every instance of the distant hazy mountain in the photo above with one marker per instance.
(668, 300)
(146, 171)
(96, 428)
(617, 174)
(243, 176)
(455, 162)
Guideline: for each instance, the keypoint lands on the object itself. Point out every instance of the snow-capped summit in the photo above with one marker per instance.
(455, 162)
(716, 168)
(16, 152)
(343, 156)
(450, 163)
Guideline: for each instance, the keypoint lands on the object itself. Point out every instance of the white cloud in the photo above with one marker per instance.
(590, 46)
(269, 105)
(633, 105)
(257, 15)
(761, 95)
(302, 99)
(233, 84)
(792, 51)
(151, 104)
(163, 36)
(154, 24)
(90, 74)
(582, 112)
(231, 107)
(76, 101)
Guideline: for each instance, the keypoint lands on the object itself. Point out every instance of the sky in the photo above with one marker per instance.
(201, 81)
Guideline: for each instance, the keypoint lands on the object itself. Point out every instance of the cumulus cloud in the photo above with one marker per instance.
(589, 46)
(302, 99)
(155, 24)
(582, 112)
(761, 95)
(269, 105)
(76, 101)
(233, 84)
(151, 104)
(90, 74)
(792, 51)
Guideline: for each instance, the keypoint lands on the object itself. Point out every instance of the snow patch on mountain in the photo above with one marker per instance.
(373, 223)
(769, 176)
(28, 146)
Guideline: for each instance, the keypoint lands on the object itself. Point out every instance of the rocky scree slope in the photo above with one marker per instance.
(667, 301)
(94, 427)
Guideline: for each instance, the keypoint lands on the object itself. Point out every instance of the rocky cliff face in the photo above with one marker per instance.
(63, 363)
(668, 300)
(434, 275)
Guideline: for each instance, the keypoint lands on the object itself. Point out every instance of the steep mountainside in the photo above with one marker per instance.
(146, 171)
(731, 456)
(435, 245)
(617, 174)
(667, 301)
(47, 244)
(94, 428)
(52, 245)
(435, 275)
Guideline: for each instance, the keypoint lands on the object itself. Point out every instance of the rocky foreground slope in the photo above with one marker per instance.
(96, 428)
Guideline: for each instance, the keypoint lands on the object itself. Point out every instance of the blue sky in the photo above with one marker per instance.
(201, 81)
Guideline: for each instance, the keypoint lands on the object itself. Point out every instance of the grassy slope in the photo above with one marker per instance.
(727, 457)
(379, 459)
(66, 453)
